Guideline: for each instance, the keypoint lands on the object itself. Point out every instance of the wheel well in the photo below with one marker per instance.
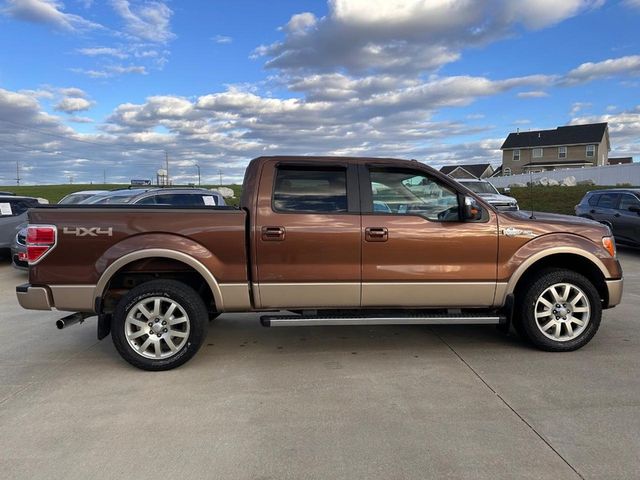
(140, 271)
(568, 261)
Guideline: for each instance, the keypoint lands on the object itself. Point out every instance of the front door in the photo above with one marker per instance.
(626, 221)
(416, 251)
(307, 236)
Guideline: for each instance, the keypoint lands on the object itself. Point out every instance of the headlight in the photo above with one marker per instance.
(610, 245)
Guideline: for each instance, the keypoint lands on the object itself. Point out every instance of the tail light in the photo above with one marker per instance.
(41, 239)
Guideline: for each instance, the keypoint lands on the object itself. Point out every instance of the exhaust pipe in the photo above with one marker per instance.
(72, 319)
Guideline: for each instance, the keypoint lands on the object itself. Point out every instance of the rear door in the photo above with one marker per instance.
(306, 236)
(416, 252)
(605, 210)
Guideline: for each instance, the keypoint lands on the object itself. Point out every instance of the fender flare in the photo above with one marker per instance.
(520, 271)
(112, 269)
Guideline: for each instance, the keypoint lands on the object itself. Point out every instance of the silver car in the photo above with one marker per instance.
(77, 197)
(489, 193)
(13, 213)
(176, 197)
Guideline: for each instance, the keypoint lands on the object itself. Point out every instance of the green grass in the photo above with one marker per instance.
(54, 193)
(554, 199)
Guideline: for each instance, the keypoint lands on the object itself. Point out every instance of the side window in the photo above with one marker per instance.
(593, 200)
(312, 190)
(147, 201)
(608, 200)
(19, 207)
(627, 200)
(406, 192)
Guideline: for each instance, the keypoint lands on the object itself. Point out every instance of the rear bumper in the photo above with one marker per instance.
(33, 298)
(72, 298)
(614, 287)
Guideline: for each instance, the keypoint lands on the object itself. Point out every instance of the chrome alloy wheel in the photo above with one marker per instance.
(562, 312)
(157, 327)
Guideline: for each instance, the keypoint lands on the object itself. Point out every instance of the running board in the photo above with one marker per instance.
(310, 321)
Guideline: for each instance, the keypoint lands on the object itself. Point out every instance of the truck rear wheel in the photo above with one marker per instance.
(159, 325)
(560, 311)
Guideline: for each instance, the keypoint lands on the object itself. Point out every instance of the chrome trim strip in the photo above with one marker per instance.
(310, 322)
(162, 253)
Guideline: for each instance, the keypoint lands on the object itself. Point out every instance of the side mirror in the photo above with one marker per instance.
(634, 208)
(472, 211)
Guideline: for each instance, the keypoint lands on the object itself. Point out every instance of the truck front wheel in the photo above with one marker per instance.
(560, 310)
(159, 325)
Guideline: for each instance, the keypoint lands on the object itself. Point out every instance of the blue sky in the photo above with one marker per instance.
(89, 88)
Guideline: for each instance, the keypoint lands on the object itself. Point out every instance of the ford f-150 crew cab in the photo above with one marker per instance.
(331, 241)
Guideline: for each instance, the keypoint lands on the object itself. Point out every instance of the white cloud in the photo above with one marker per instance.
(405, 35)
(73, 104)
(150, 21)
(589, 71)
(533, 94)
(633, 3)
(579, 106)
(112, 71)
(222, 39)
(47, 12)
(103, 51)
(624, 130)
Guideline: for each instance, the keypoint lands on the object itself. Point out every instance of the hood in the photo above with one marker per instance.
(543, 222)
(497, 198)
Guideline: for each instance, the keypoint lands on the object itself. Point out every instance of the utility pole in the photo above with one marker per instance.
(198, 167)
(166, 158)
(220, 173)
(18, 172)
(70, 179)
(104, 176)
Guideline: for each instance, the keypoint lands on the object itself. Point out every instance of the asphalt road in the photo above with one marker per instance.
(321, 402)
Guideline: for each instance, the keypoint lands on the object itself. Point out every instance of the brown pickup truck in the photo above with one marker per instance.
(333, 241)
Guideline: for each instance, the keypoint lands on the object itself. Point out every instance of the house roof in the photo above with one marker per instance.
(620, 160)
(475, 169)
(568, 135)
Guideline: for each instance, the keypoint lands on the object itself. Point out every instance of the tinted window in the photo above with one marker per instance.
(310, 190)
(627, 200)
(412, 193)
(593, 200)
(179, 199)
(608, 200)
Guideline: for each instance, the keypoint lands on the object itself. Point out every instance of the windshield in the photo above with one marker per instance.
(480, 187)
(75, 198)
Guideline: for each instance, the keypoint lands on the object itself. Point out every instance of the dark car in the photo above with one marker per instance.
(13, 213)
(618, 208)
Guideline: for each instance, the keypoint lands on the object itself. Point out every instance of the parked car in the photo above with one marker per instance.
(13, 213)
(19, 249)
(617, 208)
(488, 192)
(185, 197)
(308, 239)
(77, 197)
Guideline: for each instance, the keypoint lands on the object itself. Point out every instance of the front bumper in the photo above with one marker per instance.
(34, 298)
(614, 287)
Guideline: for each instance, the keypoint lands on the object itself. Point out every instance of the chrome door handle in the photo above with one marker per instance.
(376, 234)
(273, 234)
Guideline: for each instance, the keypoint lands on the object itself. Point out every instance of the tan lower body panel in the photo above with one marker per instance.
(73, 298)
(310, 295)
(428, 294)
(35, 298)
(235, 297)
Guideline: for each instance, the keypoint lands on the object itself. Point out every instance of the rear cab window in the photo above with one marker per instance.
(310, 190)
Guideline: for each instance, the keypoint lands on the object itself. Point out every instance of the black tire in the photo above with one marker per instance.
(527, 325)
(193, 329)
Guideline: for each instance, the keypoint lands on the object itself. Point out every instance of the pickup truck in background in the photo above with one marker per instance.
(332, 241)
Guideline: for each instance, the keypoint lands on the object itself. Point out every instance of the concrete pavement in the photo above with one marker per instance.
(321, 402)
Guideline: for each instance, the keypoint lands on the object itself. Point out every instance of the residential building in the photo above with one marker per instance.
(620, 160)
(573, 146)
(475, 170)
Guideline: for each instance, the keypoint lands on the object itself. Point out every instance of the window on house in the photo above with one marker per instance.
(562, 152)
(516, 155)
(537, 153)
(591, 151)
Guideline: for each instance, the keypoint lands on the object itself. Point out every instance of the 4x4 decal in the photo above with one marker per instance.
(88, 231)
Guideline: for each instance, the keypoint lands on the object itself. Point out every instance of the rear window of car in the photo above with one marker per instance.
(310, 190)
(12, 207)
(180, 200)
(608, 200)
(593, 199)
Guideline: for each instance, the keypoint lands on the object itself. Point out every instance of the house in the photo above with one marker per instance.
(572, 146)
(475, 170)
(620, 160)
